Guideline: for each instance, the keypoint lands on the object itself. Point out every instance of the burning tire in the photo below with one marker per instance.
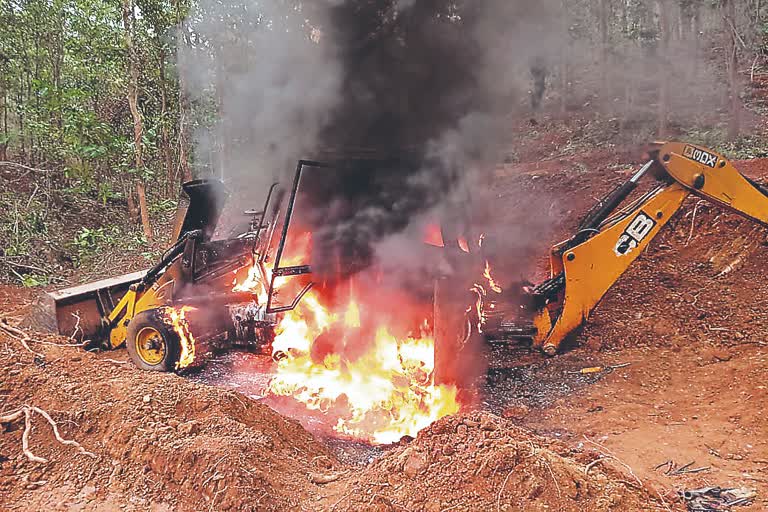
(152, 342)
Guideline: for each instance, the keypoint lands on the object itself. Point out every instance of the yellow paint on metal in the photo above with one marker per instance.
(150, 345)
(133, 303)
(118, 333)
(719, 181)
(158, 295)
(592, 267)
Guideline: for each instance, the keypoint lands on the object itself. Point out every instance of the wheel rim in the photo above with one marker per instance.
(150, 346)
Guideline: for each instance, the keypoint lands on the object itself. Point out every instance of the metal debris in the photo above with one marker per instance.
(716, 499)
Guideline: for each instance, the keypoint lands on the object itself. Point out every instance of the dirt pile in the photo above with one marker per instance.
(478, 461)
(160, 441)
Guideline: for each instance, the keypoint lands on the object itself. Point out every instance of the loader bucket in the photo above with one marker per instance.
(80, 311)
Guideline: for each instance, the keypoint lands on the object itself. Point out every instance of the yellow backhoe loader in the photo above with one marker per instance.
(612, 236)
(150, 310)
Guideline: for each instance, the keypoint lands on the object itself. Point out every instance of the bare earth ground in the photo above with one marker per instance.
(690, 317)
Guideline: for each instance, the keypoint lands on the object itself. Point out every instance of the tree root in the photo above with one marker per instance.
(19, 335)
(26, 411)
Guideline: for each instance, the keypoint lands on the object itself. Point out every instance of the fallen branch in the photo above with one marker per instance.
(27, 411)
(41, 342)
(24, 338)
(28, 267)
(6, 163)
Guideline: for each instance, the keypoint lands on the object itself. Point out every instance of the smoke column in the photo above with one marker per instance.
(422, 86)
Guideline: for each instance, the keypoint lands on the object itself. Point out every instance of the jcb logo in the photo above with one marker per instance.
(635, 233)
(700, 156)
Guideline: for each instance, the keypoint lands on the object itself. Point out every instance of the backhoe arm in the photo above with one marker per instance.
(610, 238)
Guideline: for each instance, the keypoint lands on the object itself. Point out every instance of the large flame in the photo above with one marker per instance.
(178, 319)
(344, 360)
(377, 387)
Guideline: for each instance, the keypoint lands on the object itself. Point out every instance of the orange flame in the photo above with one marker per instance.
(255, 282)
(371, 384)
(181, 327)
(489, 277)
(478, 308)
(380, 395)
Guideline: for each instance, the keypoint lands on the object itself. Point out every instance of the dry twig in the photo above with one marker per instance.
(592, 464)
(608, 454)
(557, 485)
(25, 339)
(77, 326)
(693, 221)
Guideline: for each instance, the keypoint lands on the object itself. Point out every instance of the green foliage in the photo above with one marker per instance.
(63, 88)
(23, 220)
(163, 206)
(32, 280)
(91, 241)
(745, 147)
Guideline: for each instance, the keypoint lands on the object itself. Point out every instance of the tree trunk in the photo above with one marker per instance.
(133, 103)
(133, 209)
(4, 117)
(605, 9)
(20, 115)
(142, 193)
(165, 142)
(223, 131)
(183, 167)
(732, 65)
(664, 69)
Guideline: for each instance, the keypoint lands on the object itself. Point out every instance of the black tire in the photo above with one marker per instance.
(152, 323)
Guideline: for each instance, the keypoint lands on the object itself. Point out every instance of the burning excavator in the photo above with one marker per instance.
(256, 288)
(230, 284)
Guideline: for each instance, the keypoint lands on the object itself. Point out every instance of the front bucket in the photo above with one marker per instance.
(80, 312)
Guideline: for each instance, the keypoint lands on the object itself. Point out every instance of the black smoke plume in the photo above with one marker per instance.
(424, 88)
